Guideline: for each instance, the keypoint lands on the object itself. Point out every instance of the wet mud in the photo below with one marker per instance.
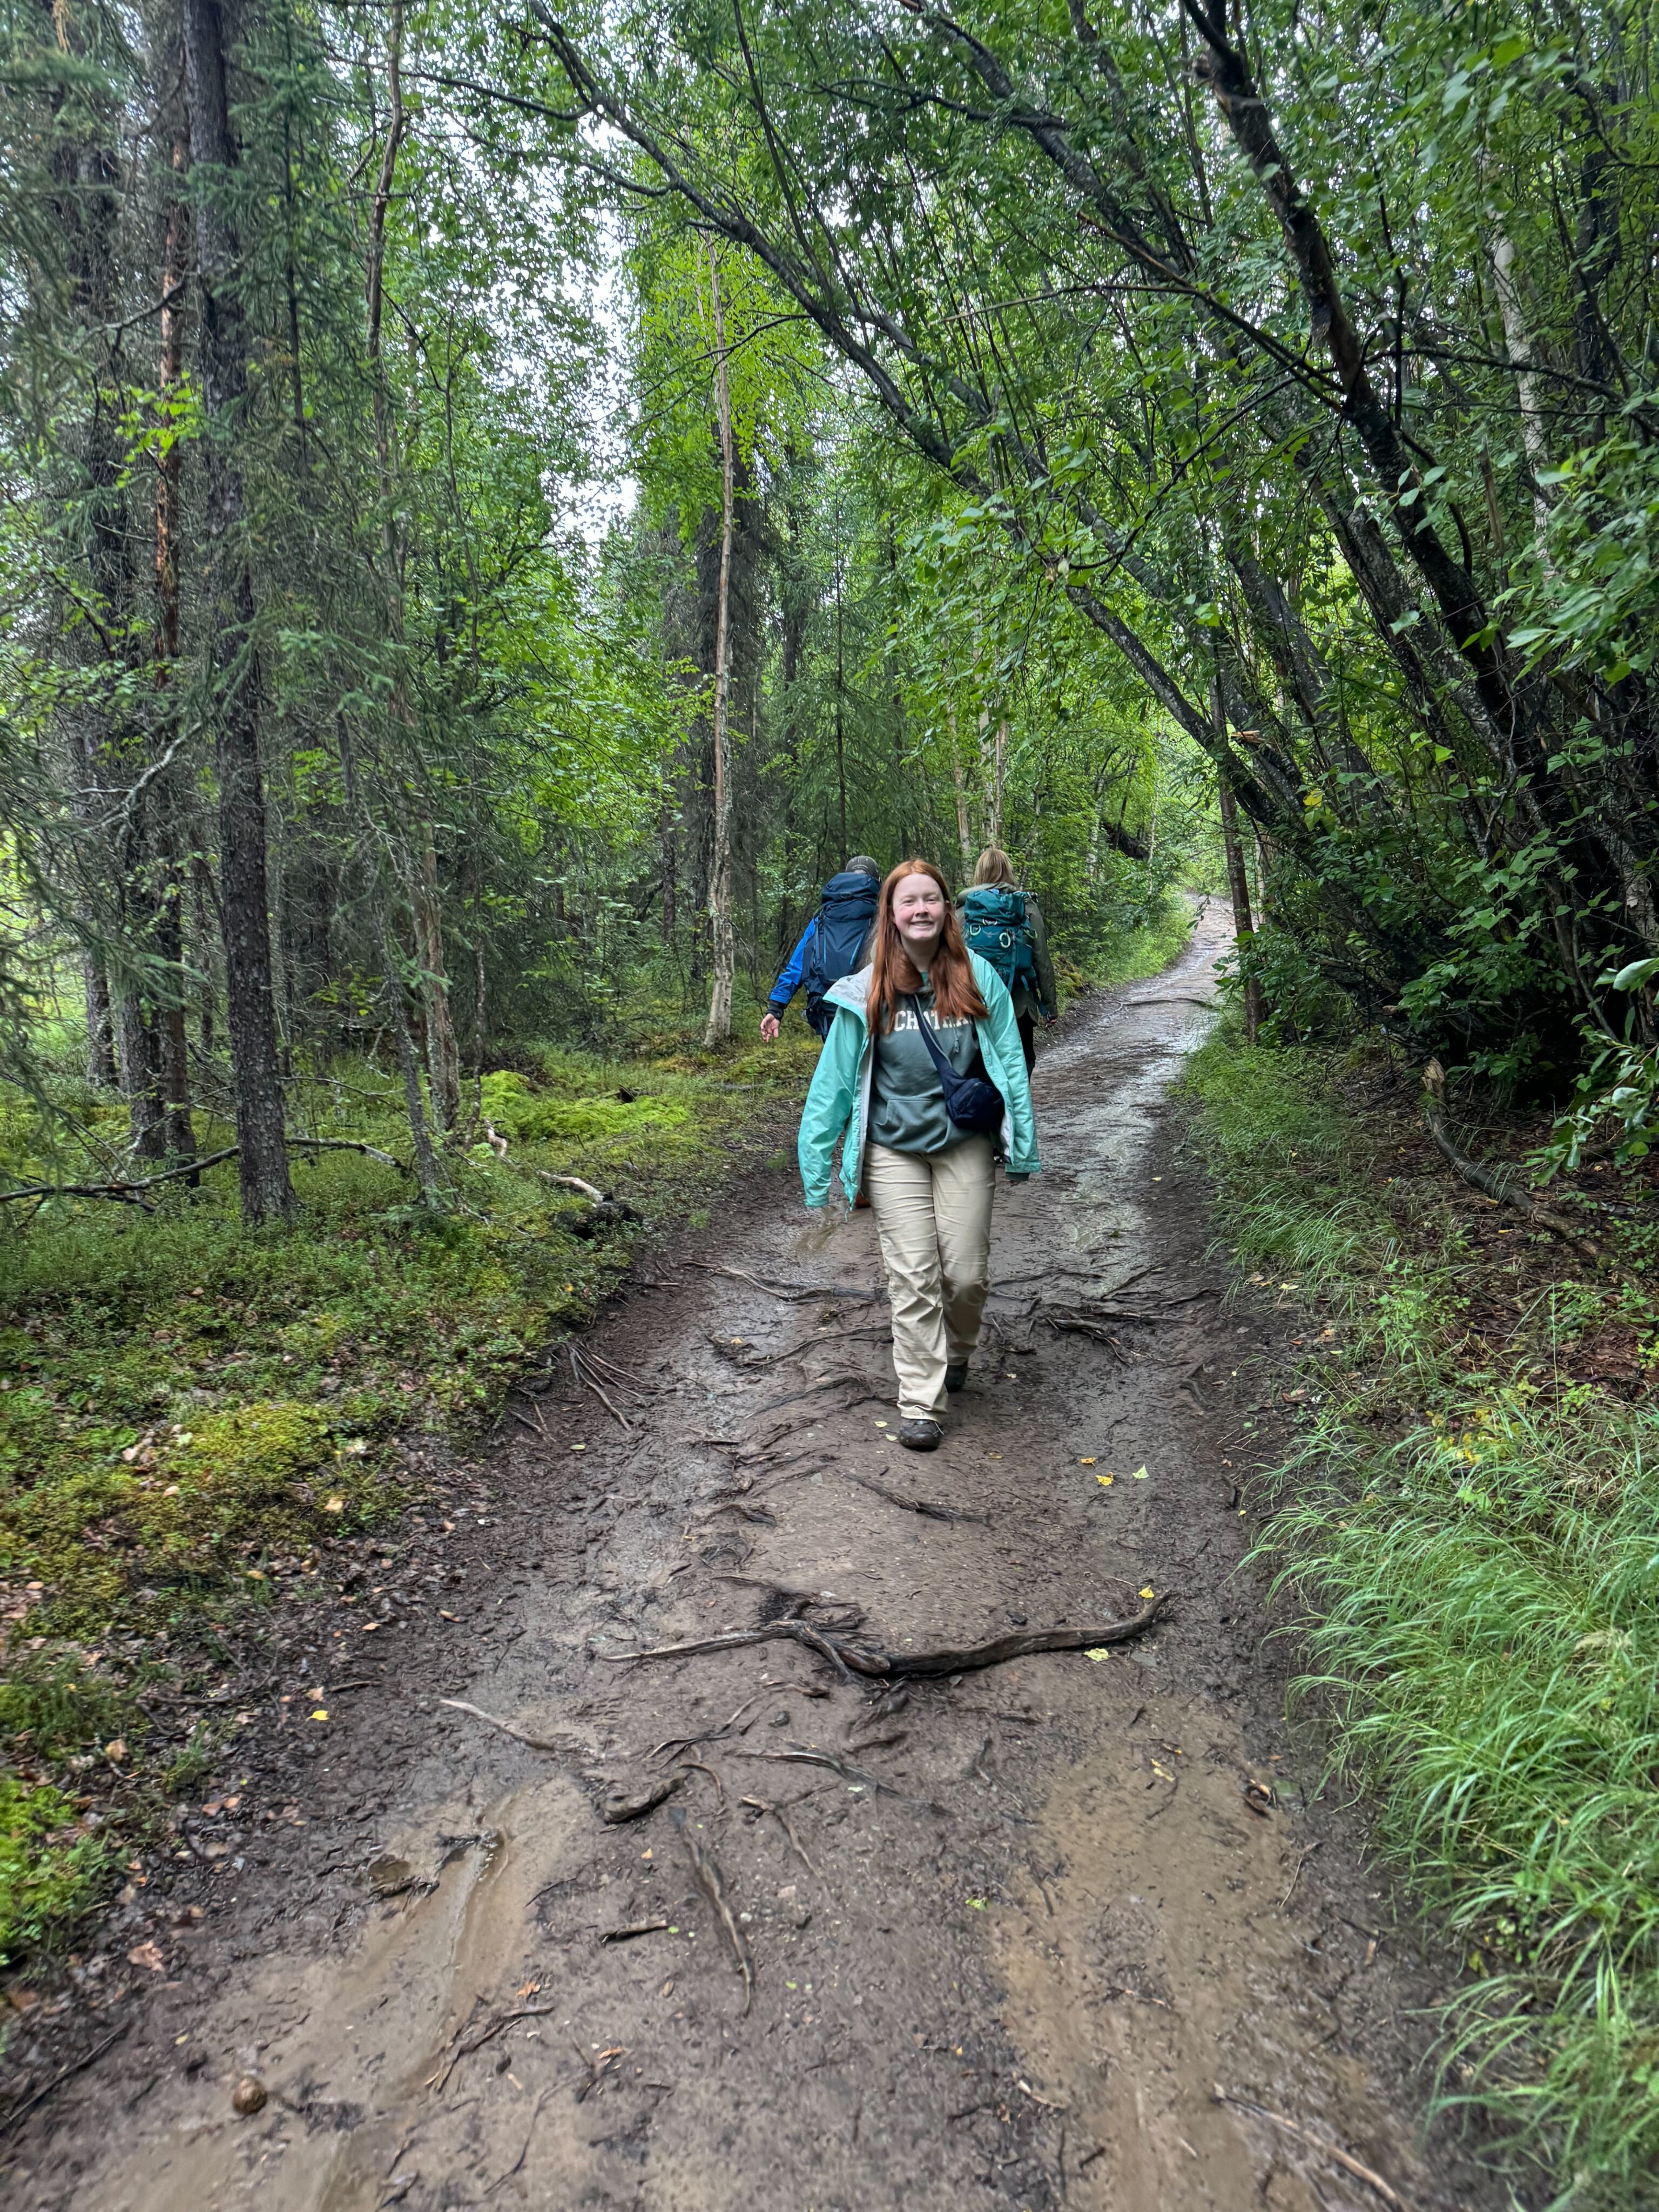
(1009, 1932)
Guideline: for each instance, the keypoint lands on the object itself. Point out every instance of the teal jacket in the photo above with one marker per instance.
(839, 1096)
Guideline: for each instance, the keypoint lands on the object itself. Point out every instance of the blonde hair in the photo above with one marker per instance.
(993, 866)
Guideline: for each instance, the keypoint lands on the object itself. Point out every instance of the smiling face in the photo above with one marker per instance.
(919, 916)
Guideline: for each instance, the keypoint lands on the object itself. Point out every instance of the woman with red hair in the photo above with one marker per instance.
(922, 1075)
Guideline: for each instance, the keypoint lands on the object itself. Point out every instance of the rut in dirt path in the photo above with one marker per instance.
(986, 1938)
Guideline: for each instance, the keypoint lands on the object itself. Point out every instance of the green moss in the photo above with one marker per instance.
(516, 1111)
(53, 1868)
(180, 1508)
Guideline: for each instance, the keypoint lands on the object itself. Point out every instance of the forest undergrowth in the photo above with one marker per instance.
(1463, 1542)
(195, 1415)
(193, 1412)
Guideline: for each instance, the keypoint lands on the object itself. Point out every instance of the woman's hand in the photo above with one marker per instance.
(769, 1026)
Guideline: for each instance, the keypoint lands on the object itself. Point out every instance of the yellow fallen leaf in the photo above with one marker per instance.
(1085, 1463)
(321, 1713)
(334, 1505)
(1149, 1591)
(1140, 1475)
(1105, 1480)
(1104, 1652)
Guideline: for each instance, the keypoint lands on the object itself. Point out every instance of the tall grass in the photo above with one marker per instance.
(1474, 1580)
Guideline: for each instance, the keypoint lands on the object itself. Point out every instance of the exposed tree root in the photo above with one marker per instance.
(895, 1665)
(709, 1881)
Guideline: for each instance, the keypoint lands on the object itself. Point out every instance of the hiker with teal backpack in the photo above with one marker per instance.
(922, 1083)
(1004, 925)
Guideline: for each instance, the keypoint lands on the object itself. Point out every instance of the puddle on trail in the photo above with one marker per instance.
(347, 2047)
(1160, 1961)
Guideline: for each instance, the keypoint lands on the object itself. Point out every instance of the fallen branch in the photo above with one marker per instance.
(587, 1381)
(634, 1928)
(575, 1183)
(75, 2066)
(732, 1351)
(713, 1887)
(535, 1742)
(840, 1656)
(129, 1191)
(798, 1755)
(861, 1392)
(616, 1810)
(764, 1805)
(793, 1293)
(487, 2034)
(922, 1505)
(1345, 2160)
(1499, 1188)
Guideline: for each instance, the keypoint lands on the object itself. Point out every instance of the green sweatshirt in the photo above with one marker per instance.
(838, 1102)
(906, 1103)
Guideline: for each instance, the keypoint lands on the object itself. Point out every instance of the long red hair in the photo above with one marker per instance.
(893, 973)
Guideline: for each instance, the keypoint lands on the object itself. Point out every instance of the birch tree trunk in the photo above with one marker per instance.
(719, 872)
(1517, 343)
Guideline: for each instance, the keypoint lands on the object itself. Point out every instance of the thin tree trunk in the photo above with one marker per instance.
(840, 699)
(720, 873)
(100, 1036)
(443, 1058)
(1238, 884)
(1517, 343)
(964, 829)
(267, 1193)
(172, 1054)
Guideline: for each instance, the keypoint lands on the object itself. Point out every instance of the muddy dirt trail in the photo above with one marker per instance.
(1006, 1935)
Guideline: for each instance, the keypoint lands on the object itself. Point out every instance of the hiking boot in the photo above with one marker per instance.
(919, 1435)
(955, 1375)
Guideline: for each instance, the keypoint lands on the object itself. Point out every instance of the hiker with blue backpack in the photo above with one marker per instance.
(832, 945)
(1004, 925)
(922, 1083)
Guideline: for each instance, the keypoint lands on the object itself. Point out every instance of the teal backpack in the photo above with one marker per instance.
(993, 926)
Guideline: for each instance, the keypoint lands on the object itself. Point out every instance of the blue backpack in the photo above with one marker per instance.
(845, 919)
(993, 926)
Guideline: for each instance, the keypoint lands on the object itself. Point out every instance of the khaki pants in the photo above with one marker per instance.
(933, 1217)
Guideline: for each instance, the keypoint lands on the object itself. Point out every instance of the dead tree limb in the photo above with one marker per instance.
(1498, 1187)
(1345, 2160)
(130, 1192)
(535, 1742)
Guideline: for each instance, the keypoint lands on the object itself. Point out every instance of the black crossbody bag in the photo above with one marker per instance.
(972, 1101)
